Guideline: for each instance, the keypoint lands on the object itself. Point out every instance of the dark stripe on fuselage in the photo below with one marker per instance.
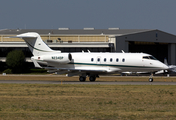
(112, 65)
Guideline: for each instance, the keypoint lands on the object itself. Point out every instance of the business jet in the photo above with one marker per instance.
(88, 64)
(171, 69)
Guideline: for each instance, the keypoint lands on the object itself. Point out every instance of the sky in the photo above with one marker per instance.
(79, 14)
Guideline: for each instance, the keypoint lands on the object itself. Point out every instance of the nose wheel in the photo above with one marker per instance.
(151, 78)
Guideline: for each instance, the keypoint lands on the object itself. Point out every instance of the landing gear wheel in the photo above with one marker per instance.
(92, 78)
(150, 79)
(82, 79)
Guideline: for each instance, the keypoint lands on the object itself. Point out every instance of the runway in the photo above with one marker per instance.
(88, 83)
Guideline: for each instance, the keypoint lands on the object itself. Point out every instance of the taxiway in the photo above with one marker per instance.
(77, 82)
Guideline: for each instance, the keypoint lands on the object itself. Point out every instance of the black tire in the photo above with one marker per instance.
(150, 79)
(82, 79)
(92, 78)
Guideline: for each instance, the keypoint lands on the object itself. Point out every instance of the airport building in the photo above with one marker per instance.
(155, 42)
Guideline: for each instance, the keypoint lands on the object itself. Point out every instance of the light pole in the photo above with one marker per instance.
(49, 35)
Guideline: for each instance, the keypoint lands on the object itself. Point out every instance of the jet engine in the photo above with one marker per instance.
(59, 58)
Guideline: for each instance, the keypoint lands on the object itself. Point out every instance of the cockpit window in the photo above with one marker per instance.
(145, 57)
(149, 57)
(153, 58)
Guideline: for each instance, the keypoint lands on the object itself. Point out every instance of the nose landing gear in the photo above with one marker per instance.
(151, 78)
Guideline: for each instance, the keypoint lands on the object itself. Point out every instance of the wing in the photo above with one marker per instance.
(78, 71)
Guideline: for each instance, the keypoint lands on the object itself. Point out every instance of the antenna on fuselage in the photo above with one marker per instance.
(123, 51)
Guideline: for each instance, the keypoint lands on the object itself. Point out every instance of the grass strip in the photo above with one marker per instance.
(85, 102)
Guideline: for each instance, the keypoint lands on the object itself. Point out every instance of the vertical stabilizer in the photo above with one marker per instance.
(35, 43)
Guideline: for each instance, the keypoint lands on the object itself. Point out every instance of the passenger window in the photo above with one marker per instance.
(92, 59)
(111, 60)
(104, 59)
(117, 60)
(123, 60)
(98, 59)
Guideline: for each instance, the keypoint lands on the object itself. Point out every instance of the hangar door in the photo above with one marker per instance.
(158, 50)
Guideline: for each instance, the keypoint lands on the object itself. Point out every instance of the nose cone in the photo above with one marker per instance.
(165, 67)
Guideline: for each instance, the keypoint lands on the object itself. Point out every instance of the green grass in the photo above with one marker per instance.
(85, 102)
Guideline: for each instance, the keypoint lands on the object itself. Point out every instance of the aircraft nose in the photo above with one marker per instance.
(165, 67)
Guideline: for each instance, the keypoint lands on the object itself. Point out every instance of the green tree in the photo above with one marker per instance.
(15, 60)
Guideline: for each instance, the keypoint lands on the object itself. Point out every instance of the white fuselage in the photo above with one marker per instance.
(87, 63)
(109, 62)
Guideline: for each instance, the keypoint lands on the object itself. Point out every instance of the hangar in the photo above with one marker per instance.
(156, 42)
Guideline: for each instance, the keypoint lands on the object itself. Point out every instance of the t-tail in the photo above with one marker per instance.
(35, 43)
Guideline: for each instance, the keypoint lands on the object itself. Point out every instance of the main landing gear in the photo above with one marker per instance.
(92, 78)
(82, 79)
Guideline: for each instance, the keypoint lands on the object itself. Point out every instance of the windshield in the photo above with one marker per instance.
(149, 57)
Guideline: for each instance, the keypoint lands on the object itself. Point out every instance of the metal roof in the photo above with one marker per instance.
(74, 31)
(65, 45)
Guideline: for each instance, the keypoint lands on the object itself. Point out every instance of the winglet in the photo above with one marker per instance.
(123, 51)
(165, 61)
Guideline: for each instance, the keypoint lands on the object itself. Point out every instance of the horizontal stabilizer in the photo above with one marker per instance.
(22, 37)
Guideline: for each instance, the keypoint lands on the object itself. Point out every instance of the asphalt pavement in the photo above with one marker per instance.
(86, 82)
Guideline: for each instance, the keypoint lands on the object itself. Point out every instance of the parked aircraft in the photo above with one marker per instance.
(87, 63)
(171, 69)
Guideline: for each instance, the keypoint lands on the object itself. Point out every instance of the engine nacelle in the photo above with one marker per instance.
(60, 58)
